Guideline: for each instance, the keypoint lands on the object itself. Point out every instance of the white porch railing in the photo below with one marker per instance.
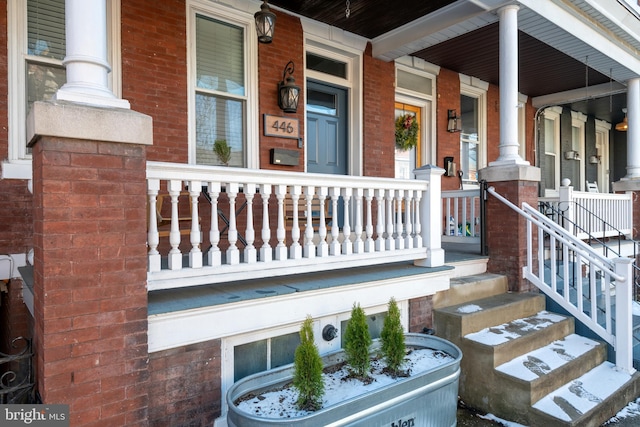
(461, 210)
(596, 290)
(593, 214)
(240, 217)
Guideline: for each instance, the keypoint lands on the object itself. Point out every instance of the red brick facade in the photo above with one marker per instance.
(90, 279)
(88, 224)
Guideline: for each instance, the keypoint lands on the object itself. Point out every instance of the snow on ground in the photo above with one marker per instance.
(505, 423)
(281, 403)
(632, 410)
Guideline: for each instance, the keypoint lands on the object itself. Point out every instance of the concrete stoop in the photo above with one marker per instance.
(525, 364)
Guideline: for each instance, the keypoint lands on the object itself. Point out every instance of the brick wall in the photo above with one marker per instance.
(90, 279)
(184, 386)
(506, 232)
(420, 313)
(448, 143)
(287, 45)
(154, 72)
(378, 113)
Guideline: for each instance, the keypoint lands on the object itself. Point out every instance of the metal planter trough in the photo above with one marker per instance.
(425, 399)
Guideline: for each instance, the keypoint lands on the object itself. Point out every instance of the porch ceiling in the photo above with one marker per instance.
(555, 64)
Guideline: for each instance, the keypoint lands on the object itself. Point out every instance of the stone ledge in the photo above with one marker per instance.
(515, 172)
(88, 123)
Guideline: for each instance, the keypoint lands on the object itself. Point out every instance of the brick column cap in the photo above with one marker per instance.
(89, 123)
(515, 172)
(627, 185)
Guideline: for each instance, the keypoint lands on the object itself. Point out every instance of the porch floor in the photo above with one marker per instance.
(172, 300)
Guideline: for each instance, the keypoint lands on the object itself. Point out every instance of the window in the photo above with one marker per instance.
(221, 84)
(36, 49)
(258, 356)
(551, 167)
(473, 149)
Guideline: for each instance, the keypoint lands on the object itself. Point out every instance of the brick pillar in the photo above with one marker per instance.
(506, 229)
(90, 298)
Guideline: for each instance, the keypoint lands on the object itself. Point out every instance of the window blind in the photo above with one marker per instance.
(45, 28)
(220, 56)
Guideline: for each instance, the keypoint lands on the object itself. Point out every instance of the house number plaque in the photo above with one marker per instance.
(283, 127)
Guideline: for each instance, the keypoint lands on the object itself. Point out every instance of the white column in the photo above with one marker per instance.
(633, 133)
(86, 58)
(508, 88)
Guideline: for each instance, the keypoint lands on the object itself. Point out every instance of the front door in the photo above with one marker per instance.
(327, 141)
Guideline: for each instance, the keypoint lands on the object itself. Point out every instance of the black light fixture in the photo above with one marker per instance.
(454, 124)
(265, 23)
(288, 92)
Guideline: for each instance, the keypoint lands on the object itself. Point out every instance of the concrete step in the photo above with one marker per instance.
(456, 321)
(526, 379)
(588, 400)
(469, 288)
(480, 385)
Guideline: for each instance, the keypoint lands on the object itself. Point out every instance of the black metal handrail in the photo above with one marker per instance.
(17, 380)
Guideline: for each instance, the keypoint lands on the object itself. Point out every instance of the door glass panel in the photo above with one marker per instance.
(407, 160)
(321, 102)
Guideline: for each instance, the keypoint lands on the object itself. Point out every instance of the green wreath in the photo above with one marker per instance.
(406, 132)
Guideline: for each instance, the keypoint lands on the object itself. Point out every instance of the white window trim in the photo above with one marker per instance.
(578, 120)
(475, 88)
(522, 125)
(553, 114)
(321, 40)
(426, 102)
(18, 164)
(227, 364)
(234, 15)
(603, 130)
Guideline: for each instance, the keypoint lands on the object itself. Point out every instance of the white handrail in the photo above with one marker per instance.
(611, 277)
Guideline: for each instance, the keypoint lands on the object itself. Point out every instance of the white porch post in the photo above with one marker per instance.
(431, 216)
(624, 315)
(86, 58)
(633, 133)
(509, 154)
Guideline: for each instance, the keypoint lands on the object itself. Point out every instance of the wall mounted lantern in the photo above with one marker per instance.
(265, 23)
(454, 124)
(594, 160)
(623, 125)
(571, 155)
(288, 92)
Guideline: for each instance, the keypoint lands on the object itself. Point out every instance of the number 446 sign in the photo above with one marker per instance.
(283, 127)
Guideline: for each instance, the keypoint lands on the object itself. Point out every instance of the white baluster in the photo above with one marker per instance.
(358, 243)
(390, 243)
(233, 254)
(322, 249)
(265, 250)
(369, 244)
(399, 228)
(153, 239)
(195, 255)
(175, 257)
(215, 256)
(295, 251)
(417, 228)
(408, 220)
(309, 250)
(281, 248)
(334, 246)
(380, 246)
(250, 253)
(347, 246)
